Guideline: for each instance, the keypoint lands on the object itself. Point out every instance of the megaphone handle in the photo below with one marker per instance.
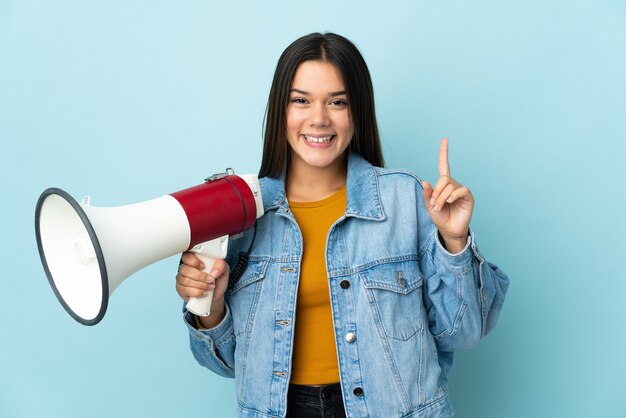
(202, 306)
(207, 252)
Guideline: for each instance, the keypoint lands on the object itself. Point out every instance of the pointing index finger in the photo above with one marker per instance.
(444, 165)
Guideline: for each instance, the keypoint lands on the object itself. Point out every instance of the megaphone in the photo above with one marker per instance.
(87, 251)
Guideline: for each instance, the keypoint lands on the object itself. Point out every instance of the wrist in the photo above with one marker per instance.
(454, 244)
(216, 315)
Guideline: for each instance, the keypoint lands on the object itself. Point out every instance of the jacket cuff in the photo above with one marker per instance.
(460, 259)
(212, 336)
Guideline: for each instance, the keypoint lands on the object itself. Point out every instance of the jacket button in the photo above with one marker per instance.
(358, 391)
(351, 337)
(344, 284)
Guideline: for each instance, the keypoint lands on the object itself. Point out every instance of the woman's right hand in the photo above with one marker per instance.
(191, 281)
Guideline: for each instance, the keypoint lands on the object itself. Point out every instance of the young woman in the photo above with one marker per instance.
(362, 281)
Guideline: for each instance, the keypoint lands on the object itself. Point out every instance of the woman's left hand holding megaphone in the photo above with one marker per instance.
(191, 281)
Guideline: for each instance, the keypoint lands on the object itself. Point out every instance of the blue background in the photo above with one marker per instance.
(129, 100)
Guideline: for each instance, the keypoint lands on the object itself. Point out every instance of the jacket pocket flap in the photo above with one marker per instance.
(399, 276)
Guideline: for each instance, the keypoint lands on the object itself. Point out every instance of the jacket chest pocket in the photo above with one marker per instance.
(243, 295)
(394, 292)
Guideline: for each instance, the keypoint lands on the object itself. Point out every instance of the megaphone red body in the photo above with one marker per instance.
(87, 251)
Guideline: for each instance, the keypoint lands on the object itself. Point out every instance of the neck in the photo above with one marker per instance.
(308, 184)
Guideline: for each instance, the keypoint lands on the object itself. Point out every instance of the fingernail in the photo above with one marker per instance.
(437, 208)
(432, 201)
(215, 273)
(202, 266)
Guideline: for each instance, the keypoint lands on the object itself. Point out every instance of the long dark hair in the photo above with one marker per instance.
(345, 56)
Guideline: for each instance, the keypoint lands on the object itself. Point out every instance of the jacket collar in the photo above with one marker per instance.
(363, 194)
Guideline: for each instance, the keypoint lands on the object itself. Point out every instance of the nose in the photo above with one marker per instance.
(319, 115)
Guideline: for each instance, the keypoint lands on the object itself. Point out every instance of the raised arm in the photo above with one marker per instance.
(463, 292)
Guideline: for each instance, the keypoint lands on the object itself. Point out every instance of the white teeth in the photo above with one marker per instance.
(322, 139)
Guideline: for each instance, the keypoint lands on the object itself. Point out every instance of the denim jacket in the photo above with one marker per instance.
(401, 304)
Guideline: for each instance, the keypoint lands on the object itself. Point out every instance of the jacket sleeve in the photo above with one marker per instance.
(213, 348)
(463, 293)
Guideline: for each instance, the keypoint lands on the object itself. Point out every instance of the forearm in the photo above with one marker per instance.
(463, 294)
(213, 348)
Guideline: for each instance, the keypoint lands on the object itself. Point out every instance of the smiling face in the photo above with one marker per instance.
(319, 127)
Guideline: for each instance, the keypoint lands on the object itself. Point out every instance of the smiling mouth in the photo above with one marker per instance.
(318, 139)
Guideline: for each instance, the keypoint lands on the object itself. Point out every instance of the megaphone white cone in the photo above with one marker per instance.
(88, 251)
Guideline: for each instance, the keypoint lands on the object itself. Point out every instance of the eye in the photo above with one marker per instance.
(339, 103)
(298, 100)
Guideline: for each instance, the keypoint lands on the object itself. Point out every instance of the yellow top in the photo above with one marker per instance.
(315, 356)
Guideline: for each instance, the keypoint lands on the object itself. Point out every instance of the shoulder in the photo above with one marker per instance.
(273, 191)
(396, 176)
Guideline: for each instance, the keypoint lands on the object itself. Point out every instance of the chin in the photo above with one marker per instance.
(319, 162)
(322, 157)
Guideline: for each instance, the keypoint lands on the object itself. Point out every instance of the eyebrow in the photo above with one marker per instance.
(332, 94)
